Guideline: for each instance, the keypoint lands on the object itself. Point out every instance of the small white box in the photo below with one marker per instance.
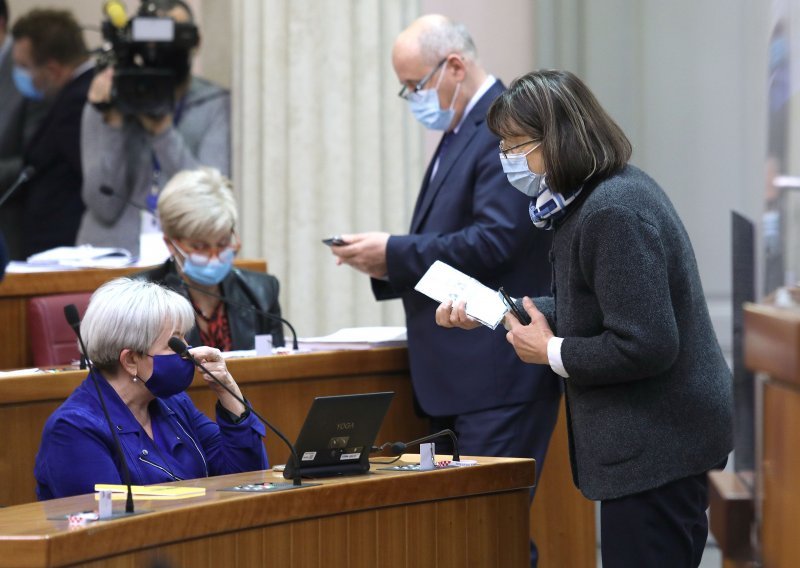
(264, 344)
(427, 456)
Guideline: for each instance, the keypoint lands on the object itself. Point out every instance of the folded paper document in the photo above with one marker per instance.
(443, 282)
(151, 491)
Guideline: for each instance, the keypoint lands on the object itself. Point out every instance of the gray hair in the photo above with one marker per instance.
(197, 204)
(441, 38)
(131, 314)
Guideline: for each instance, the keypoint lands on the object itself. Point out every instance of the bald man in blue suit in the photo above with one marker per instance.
(468, 216)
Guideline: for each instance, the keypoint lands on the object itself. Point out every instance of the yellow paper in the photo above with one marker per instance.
(150, 491)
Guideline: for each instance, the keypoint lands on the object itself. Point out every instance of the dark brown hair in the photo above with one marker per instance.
(580, 141)
(54, 34)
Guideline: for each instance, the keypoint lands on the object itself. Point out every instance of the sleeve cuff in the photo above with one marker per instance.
(229, 416)
(554, 356)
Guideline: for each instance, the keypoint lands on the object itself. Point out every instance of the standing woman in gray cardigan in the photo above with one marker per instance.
(648, 392)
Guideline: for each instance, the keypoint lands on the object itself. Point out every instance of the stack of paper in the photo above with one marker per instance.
(356, 338)
(85, 256)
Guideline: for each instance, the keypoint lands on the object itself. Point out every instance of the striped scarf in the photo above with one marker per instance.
(548, 207)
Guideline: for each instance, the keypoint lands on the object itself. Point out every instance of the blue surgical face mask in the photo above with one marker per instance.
(204, 270)
(172, 375)
(23, 80)
(515, 166)
(424, 106)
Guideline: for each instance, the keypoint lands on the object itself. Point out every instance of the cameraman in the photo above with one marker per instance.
(127, 159)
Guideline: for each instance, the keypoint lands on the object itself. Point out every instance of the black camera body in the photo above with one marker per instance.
(151, 55)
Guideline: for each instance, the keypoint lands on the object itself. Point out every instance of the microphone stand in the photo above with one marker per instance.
(246, 307)
(73, 319)
(25, 175)
(181, 349)
(400, 447)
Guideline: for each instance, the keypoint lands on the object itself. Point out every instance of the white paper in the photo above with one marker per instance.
(357, 338)
(85, 256)
(443, 282)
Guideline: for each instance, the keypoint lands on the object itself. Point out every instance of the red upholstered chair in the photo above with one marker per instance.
(52, 340)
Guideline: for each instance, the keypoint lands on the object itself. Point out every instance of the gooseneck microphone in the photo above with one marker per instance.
(400, 447)
(24, 176)
(246, 307)
(74, 321)
(182, 349)
(108, 192)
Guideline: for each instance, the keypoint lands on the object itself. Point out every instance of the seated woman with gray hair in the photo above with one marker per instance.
(164, 437)
(198, 216)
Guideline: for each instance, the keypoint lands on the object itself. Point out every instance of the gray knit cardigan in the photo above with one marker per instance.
(649, 392)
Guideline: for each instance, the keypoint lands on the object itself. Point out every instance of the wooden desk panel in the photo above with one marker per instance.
(780, 472)
(16, 289)
(479, 513)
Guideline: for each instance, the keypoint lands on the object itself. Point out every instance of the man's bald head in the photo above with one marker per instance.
(433, 37)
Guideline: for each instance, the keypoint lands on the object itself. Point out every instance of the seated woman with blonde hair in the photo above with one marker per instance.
(163, 436)
(198, 216)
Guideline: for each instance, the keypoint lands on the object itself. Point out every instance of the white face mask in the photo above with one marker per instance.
(515, 166)
(424, 106)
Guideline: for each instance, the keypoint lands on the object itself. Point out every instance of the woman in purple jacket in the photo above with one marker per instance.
(164, 437)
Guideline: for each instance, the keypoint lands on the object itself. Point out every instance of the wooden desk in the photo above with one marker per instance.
(472, 516)
(772, 346)
(282, 388)
(16, 289)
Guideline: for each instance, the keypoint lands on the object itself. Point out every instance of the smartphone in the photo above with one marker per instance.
(335, 241)
(521, 316)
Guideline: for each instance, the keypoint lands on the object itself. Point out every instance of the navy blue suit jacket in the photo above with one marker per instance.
(470, 217)
(52, 203)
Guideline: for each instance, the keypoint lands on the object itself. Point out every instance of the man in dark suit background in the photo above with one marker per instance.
(51, 63)
(19, 119)
(468, 216)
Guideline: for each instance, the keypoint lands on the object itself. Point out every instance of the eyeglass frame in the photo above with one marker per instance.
(505, 151)
(232, 248)
(405, 92)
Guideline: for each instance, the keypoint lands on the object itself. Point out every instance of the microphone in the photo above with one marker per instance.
(400, 447)
(74, 321)
(181, 349)
(108, 192)
(115, 12)
(24, 176)
(246, 307)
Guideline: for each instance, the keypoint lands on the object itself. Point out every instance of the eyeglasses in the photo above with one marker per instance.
(201, 253)
(405, 92)
(505, 151)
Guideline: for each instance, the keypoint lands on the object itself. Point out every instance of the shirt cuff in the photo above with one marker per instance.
(554, 356)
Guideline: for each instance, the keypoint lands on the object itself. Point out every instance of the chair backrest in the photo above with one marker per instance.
(53, 342)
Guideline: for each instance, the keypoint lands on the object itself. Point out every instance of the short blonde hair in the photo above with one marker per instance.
(131, 314)
(197, 204)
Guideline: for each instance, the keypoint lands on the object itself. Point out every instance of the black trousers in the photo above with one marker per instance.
(663, 527)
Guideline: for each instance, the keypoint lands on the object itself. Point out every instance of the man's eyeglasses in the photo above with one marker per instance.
(405, 92)
(506, 151)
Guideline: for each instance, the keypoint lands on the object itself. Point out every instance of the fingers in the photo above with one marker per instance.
(442, 315)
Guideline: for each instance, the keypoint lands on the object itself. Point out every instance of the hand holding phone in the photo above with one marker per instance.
(335, 241)
(521, 315)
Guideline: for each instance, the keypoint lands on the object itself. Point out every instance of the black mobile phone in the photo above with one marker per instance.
(335, 241)
(521, 316)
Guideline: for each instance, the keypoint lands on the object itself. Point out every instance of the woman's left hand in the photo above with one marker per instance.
(212, 360)
(529, 341)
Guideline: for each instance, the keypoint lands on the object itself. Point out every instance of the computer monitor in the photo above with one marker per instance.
(338, 433)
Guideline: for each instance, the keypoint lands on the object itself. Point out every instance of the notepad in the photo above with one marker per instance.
(150, 491)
